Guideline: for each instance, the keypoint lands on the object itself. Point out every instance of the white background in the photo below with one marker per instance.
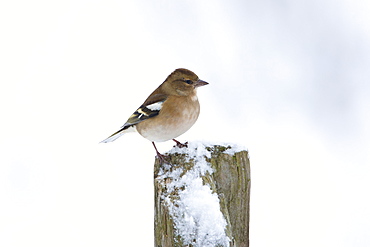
(289, 80)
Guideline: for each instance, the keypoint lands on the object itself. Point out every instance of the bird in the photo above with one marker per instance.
(168, 112)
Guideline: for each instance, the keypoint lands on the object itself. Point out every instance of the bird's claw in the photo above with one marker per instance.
(163, 159)
(180, 145)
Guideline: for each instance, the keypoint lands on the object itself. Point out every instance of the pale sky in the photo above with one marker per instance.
(289, 80)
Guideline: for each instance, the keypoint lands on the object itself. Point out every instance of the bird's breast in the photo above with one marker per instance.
(176, 117)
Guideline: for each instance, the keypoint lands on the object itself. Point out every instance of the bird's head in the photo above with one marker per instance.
(183, 82)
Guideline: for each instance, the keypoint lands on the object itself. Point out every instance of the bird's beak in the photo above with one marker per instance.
(200, 83)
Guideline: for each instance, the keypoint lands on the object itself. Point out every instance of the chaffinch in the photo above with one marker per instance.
(168, 112)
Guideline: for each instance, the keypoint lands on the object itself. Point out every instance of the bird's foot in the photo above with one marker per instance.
(180, 145)
(163, 159)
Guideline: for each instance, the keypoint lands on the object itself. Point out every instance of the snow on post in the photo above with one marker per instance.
(202, 197)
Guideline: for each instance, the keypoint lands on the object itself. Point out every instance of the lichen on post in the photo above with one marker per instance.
(202, 197)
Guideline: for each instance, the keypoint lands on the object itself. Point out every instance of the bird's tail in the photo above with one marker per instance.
(119, 133)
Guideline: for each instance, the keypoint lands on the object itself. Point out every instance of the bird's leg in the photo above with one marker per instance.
(180, 145)
(161, 157)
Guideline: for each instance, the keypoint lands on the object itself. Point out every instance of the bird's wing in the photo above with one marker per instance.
(149, 109)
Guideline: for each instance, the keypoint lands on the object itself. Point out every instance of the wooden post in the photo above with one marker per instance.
(202, 197)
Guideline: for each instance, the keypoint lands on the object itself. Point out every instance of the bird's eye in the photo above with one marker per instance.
(188, 81)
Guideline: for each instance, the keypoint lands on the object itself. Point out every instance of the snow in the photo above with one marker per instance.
(196, 211)
(197, 215)
(198, 148)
